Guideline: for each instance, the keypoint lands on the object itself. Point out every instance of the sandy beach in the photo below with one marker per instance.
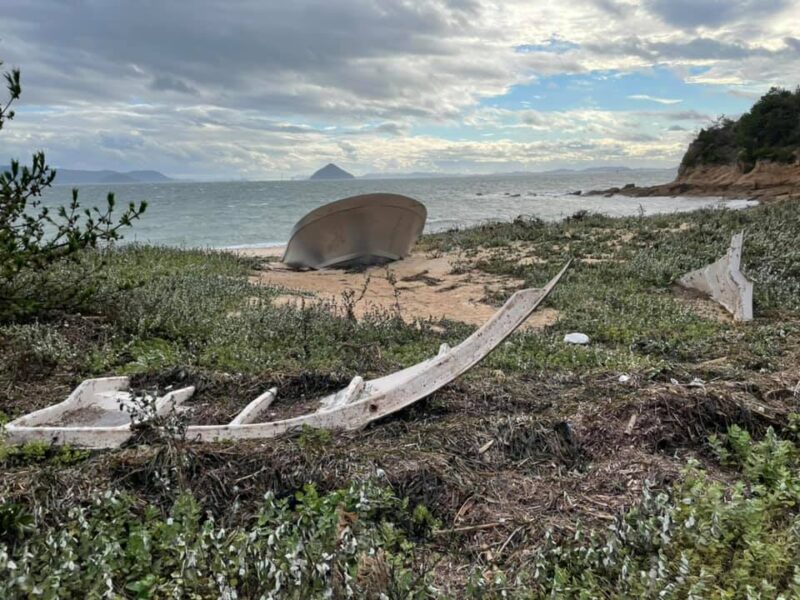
(426, 286)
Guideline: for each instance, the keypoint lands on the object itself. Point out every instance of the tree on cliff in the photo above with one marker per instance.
(34, 239)
(770, 130)
(715, 145)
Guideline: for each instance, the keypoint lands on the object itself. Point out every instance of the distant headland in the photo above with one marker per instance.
(755, 156)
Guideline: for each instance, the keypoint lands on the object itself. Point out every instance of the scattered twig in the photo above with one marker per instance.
(513, 533)
(469, 528)
(483, 449)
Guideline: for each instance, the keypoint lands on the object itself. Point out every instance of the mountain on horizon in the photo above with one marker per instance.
(86, 177)
(593, 170)
(80, 176)
(331, 171)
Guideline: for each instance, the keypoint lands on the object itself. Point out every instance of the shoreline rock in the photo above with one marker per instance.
(767, 181)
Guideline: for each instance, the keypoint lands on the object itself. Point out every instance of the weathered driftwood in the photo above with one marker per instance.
(724, 282)
(360, 403)
(385, 395)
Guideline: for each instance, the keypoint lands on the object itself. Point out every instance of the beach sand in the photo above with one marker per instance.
(426, 285)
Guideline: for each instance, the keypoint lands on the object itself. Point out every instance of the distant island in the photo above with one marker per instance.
(331, 171)
(594, 170)
(755, 156)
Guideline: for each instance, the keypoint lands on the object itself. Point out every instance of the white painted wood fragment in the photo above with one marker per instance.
(97, 414)
(576, 338)
(631, 424)
(256, 408)
(391, 393)
(724, 282)
(343, 397)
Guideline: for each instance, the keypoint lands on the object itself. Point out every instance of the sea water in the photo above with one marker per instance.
(262, 213)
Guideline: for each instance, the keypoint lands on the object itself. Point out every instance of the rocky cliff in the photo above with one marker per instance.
(768, 180)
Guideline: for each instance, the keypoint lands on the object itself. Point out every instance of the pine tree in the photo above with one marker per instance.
(34, 238)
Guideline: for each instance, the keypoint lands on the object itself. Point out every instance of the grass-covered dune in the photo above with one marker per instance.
(541, 473)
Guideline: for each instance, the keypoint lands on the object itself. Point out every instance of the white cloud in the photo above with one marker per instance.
(266, 88)
(654, 99)
(208, 140)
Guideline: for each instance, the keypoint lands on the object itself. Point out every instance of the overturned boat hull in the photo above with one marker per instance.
(357, 231)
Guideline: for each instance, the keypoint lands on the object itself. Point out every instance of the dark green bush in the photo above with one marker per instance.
(714, 145)
(770, 130)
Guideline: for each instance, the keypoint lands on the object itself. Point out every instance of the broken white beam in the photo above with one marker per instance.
(256, 408)
(343, 397)
(724, 282)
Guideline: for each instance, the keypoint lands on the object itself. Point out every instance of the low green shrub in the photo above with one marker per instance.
(36, 452)
(705, 538)
(338, 545)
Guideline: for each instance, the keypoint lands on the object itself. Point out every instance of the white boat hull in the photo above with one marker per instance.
(357, 231)
(351, 408)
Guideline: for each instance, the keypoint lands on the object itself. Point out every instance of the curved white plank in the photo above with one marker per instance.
(391, 393)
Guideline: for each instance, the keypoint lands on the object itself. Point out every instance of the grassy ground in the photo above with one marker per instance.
(538, 473)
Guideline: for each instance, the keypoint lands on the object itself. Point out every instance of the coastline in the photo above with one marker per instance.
(426, 286)
(766, 182)
(730, 201)
(260, 251)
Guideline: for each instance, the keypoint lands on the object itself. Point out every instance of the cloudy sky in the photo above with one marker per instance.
(264, 89)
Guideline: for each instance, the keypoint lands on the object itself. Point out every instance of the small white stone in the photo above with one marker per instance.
(576, 338)
(624, 378)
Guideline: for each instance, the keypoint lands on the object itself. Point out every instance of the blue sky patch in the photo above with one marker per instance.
(616, 90)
